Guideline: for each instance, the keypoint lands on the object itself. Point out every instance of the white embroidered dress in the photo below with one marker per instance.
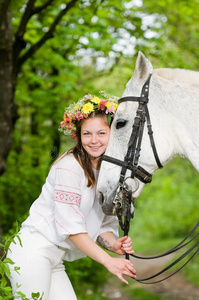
(67, 206)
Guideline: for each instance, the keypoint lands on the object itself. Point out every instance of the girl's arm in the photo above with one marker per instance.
(117, 266)
(119, 246)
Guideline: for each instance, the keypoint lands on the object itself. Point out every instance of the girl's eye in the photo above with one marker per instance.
(86, 133)
(101, 133)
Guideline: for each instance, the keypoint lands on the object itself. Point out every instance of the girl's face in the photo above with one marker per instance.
(94, 137)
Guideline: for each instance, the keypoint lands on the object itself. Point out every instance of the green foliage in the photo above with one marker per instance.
(5, 289)
(191, 271)
(173, 194)
(175, 42)
(34, 296)
(6, 292)
(87, 277)
(141, 294)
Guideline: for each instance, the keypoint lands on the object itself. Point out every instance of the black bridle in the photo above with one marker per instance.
(123, 198)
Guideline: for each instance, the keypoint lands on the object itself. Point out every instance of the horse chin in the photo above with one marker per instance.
(108, 209)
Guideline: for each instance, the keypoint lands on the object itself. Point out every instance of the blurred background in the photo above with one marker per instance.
(52, 52)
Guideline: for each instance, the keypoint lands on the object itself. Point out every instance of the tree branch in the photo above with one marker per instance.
(19, 42)
(47, 36)
(29, 12)
(26, 17)
(38, 9)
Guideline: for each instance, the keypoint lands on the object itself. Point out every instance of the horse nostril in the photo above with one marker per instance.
(101, 198)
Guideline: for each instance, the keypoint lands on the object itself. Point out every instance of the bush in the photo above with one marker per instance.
(87, 277)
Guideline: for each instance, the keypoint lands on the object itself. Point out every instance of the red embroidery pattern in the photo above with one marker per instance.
(67, 197)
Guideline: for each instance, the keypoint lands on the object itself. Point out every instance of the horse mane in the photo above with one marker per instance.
(179, 75)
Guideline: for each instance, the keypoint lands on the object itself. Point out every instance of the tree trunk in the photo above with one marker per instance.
(8, 113)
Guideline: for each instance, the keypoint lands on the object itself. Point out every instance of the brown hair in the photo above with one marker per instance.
(80, 154)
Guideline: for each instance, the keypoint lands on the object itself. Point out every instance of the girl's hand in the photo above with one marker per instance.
(117, 266)
(120, 267)
(122, 245)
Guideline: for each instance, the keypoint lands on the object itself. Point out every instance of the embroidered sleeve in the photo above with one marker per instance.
(68, 186)
(67, 199)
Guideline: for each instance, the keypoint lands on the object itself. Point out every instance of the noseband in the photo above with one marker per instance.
(134, 145)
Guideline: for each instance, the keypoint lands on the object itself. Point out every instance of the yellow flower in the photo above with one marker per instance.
(77, 107)
(115, 106)
(87, 108)
(96, 100)
(108, 104)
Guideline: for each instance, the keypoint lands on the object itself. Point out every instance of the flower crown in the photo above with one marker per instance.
(83, 108)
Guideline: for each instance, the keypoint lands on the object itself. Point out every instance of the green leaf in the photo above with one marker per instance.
(19, 239)
(8, 261)
(109, 119)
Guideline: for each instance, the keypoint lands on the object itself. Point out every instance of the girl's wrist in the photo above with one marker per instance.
(105, 260)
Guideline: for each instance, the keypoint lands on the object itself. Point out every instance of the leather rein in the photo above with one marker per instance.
(123, 199)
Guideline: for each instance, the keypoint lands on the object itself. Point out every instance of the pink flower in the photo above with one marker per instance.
(69, 126)
(67, 120)
(62, 124)
(80, 116)
(102, 105)
(110, 110)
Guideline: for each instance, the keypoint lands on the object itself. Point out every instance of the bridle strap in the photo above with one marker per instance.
(174, 249)
(179, 246)
(144, 99)
(135, 99)
(150, 133)
(140, 173)
(170, 266)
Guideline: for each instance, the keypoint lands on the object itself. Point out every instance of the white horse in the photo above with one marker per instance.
(174, 111)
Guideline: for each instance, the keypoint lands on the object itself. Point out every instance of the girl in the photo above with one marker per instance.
(66, 221)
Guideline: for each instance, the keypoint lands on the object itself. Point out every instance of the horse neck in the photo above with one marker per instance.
(176, 109)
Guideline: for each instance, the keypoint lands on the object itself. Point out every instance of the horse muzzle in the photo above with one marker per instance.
(108, 207)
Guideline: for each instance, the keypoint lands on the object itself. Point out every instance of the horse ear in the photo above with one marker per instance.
(142, 67)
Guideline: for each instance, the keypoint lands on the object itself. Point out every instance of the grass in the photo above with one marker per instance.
(142, 294)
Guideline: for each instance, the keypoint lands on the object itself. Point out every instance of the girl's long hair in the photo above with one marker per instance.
(80, 154)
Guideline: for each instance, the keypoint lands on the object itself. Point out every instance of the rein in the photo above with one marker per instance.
(123, 199)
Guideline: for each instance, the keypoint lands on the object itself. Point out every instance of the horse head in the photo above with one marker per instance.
(121, 130)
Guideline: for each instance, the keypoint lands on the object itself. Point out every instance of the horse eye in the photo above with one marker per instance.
(120, 123)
